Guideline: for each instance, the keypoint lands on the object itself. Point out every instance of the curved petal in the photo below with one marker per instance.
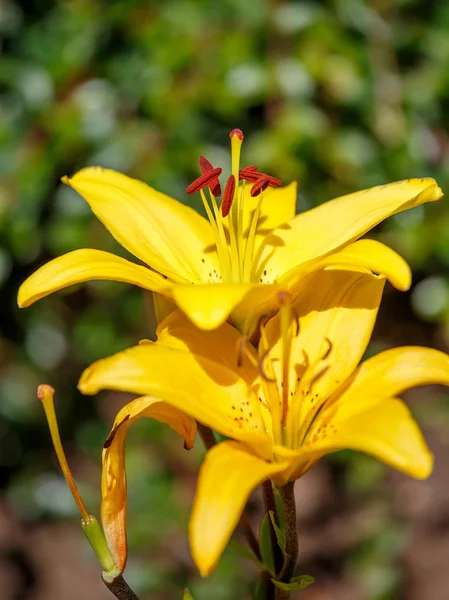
(165, 234)
(336, 316)
(206, 390)
(392, 372)
(113, 482)
(86, 265)
(385, 429)
(366, 255)
(162, 307)
(209, 305)
(227, 477)
(339, 222)
(221, 345)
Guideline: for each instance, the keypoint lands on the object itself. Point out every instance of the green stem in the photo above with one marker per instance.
(270, 505)
(120, 588)
(287, 494)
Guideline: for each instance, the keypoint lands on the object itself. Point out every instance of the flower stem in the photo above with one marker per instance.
(207, 435)
(270, 505)
(291, 532)
(120, 588)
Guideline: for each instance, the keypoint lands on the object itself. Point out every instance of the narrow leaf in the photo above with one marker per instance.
(280, 534)
(297, 583)
(187, 595)
(245, 552)
(266, 551)
(279, 509)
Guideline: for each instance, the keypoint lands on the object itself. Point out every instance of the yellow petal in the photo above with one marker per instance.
(366, 255)
(162, 307)
(220, 345)
(278, 207)
(334, 224)
(384, 429)
(168, 236)
(336, 316)
(86, 265)
(393, 371)
(226, 479)
(113, 485)
(202, 388)
(209, 305)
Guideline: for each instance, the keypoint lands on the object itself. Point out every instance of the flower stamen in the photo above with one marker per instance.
(260, 185)
(261, 368)
(228, 196)
(203, 180)
(206, 166)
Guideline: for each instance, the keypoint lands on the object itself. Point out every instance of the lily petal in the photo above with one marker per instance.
(113, 485)
(366, 255)
(86, 265)
(385, 429)
(165, 234)
(220, 345)
(202, 388)
(209, 305)
(227, 477)
(339, 222)
(278, 207)
(391, 372)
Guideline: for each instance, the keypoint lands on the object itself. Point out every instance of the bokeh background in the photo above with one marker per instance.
(338, 94)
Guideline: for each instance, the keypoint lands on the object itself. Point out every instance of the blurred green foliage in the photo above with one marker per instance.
(338, 94)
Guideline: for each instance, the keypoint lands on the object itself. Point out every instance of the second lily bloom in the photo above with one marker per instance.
(303, 394)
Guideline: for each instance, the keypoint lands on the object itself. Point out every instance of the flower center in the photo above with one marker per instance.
(289, 377)
(235, 247)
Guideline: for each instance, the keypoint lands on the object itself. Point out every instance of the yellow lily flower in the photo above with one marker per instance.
(238, 262)
(302, 396)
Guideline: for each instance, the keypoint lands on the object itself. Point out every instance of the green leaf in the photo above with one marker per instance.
(187, 595)
(280, 533)
(245, 552)
(279, 509)
(295, 584)
(260, 592)
(266, 551)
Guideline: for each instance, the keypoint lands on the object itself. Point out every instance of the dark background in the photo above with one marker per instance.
(339, 95)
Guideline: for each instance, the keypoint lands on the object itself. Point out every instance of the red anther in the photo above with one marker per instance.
(228, 196)
(205, 165)
(274, 181)
(203, 180)
(238, 133)
(214, 185)
(248, 172)
(260, 185)
(252, 174)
